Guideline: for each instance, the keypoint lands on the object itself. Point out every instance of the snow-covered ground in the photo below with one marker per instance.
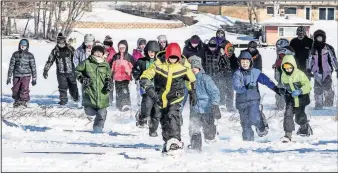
(56, 139)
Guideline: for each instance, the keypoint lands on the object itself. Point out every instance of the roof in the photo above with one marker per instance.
(286, 21)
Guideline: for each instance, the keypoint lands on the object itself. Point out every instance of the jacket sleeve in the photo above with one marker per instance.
(80, 70)
(263, 79)
(212, 90)
(147, 76)
(306, 84)
(32, 65)
(11, 66)
(259, 62)
(77, 57)
(109, 75)
(333, 57)
(50, 60)
(238, 83)
(190, 76)
(136, 70)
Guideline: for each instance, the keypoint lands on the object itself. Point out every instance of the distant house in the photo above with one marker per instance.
(282, 27)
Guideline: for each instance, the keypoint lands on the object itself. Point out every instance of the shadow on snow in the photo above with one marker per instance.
(126, 156)
(43, 152)
(326, 142)
(27, 127)
(111, 133)
(37, 99)
(133, 146)
(269, 150)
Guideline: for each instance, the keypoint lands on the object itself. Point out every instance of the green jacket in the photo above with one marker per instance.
(94, 96)
(297, 80)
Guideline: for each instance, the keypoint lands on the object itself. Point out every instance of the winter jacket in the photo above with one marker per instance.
(207, 93)
(189, 51)
(323, 61)
(257, 59)
(252, 77)
(22, 63)
(122, 66)
(94, 96)
(169, 79)
(221, 42)
(210, 62)
(302, 49)
(137, 54)
(80, 55)
(64, 60)
(297, 80)
(111, 52)
(228, 65)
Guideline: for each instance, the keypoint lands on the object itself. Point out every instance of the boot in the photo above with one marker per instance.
(318, 102)
(153, 134)
(305, 130)
(142, 123)
(287, 137)
(196, 142)
(97, 130)
(16, 104)
(24, 104)
(329, 98)
(62, 102)
(172, 144)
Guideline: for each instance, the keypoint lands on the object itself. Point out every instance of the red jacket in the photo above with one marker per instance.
(122, 66)
(111, 52)
(137, 54)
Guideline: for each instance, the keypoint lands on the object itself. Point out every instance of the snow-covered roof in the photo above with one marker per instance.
(286, 21)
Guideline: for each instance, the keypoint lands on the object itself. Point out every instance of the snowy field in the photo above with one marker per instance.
(58, 139)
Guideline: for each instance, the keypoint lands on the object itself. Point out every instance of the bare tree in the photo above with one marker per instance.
(252, 14)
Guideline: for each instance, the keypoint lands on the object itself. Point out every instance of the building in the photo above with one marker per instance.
(314, 11)
(282, 27)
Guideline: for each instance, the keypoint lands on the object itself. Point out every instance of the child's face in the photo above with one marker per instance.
(98, 54)
(142, 46)
(245, 64)
(289, 69)
(195, 70)
(151, 54)
(173, 60)
(122, 48)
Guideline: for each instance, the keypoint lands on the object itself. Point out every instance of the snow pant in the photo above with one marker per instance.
(324, 95)
(122, 94)
(250, 115)
(67, 81)
(171, 122)
(205, 121)
(224, 84)
(300, 117)
(100, 117)
(150, 109)
(185, 99)
(280, 100)
(20, 89)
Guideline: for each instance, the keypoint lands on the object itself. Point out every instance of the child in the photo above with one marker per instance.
(228, 65)
(245, 83)
(207, 110)
(95, 76)
(257, 58)
(138, 52)
(323, 62)
(148, 107)
(297, 98)
(22, 67)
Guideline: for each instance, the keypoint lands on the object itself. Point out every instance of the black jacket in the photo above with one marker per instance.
(302, 49)
(189, 51)
(210, 62)
(22, 63)
(228, 65)
(64, 59)
(257, 59)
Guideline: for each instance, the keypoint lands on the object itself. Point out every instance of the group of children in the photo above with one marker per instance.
(206, 73)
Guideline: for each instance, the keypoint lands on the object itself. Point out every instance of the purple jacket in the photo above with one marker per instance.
(137, 54)
(329, 62)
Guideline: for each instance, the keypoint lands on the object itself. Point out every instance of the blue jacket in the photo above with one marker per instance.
(207, 93)
(252, 76)
(80, 55)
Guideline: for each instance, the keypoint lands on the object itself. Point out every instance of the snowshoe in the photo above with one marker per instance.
(173, 147)
(153, 134)
(126, 108)
(262, 132)
(62, 103)
(287, 137)
(210, 141)
(305, 130)
(16, 104)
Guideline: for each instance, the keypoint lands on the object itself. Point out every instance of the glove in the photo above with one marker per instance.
(216, 112)
(45, 74)
(279, 91)
(152, 94)
(85, 81)
(249, 86)
(109, 85)
(34, 81)
(192, 97)
(296, 93)
(9, 80)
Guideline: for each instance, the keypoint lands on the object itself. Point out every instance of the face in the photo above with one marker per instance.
(98, 54)
(106, 46)
(252, 49)
(212, 48)
(195, 70)
(151, 54)
(220, 35)
(245, 64)
(163, 43)
(301, 36)
(61, 45)
(122, 48)
(23, 47)
(173, 60)
(194, 45)
(289, 69)
(142, 46)
(319, 38)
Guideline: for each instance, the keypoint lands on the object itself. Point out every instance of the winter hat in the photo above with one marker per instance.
(195, 39)
(245, 55)
(141, 41)
(252, 44)
(301, 30)
(196, 62)
(282, 42)
(152, 45)
(220, 31)
(89, 39)
(108, 41)
(212, 43)
(97, 46)
(23, 42)
(319, 32)
(287, 65)
(162, 38)
(173, 49)
(60, 38)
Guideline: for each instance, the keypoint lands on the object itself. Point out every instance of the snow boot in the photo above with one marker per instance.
(329, 98)
(172, 145)
(318, 102)
(142, 123)
(24, 104)
(16, 104)
(287, 137)
(305, 130)
(97, 130)
(153, 134)
(196, 142)
(62, 102)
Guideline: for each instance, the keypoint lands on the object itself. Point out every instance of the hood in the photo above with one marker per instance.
(141, 40)
(245, 55)
(123, 42)
(152, 45)
(27, 45)
(195, 37)
(289, 59)
(173, 49)
(316, 43)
